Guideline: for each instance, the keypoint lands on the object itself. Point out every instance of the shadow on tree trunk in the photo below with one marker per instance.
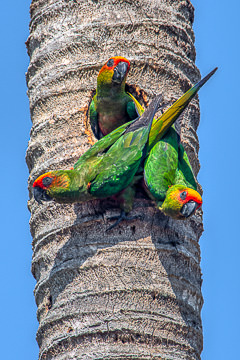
(156, 273)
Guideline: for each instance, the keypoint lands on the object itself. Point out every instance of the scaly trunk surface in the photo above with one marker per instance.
(133, 292)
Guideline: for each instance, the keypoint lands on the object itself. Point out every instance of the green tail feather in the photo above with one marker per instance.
(162, 124)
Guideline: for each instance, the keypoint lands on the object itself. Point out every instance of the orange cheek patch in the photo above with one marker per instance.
(175, 195)
(60, 181)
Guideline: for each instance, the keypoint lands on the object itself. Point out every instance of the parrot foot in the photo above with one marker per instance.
(122, 217)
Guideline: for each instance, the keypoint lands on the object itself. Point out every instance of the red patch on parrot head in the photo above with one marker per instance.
(181, 202)
(113, 62)
(184, 195)
(50, 179)
(188, 194)
(44, 181)
(114, 71)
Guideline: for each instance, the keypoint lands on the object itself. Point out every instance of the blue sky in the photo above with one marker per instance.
(217, 43)
(217, 38)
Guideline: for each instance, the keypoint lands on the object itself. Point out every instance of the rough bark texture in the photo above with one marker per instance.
(133, 292)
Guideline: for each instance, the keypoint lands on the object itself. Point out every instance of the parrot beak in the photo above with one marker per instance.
(120, 72)
(40, 195)
(189, 208)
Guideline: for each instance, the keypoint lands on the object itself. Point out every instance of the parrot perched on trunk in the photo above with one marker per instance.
(168, 175)
(111, 106)
(169, 179)
(106, 169)
(114, 163)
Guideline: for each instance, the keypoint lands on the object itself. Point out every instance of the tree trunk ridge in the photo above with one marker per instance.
(133, 292)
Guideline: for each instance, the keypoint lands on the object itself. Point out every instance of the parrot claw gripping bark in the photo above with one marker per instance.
(122, 217)
(111, 106)
(114, 163)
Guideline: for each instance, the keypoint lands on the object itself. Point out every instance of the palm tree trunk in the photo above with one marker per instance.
(133, 292)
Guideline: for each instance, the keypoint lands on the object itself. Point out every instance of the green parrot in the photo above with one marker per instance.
(111, 106)
(114, 163)
(169, 179)
(106, 169)
(168, 175)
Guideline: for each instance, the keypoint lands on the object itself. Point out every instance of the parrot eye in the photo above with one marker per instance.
(47, 181)
(183, 195)
(110, 62)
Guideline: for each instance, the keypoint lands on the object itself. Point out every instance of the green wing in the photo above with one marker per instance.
(119, 165)
(94, 118)
(122, 160)
(131, 109)
(136, 104)
(167, 165)
(101, 145)
(185, 174)
(161, 165)
(162, 124)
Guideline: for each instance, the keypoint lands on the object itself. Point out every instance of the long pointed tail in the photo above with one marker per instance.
(162, 124)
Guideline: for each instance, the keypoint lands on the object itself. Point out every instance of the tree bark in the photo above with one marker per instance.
(133, 292)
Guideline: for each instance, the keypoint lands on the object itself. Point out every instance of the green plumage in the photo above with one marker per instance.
(169, 178)
(113, 164)
(115, 168)
(167, 165)
(107, 114)
(108, 167)
(115, 175)
(111, 106)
